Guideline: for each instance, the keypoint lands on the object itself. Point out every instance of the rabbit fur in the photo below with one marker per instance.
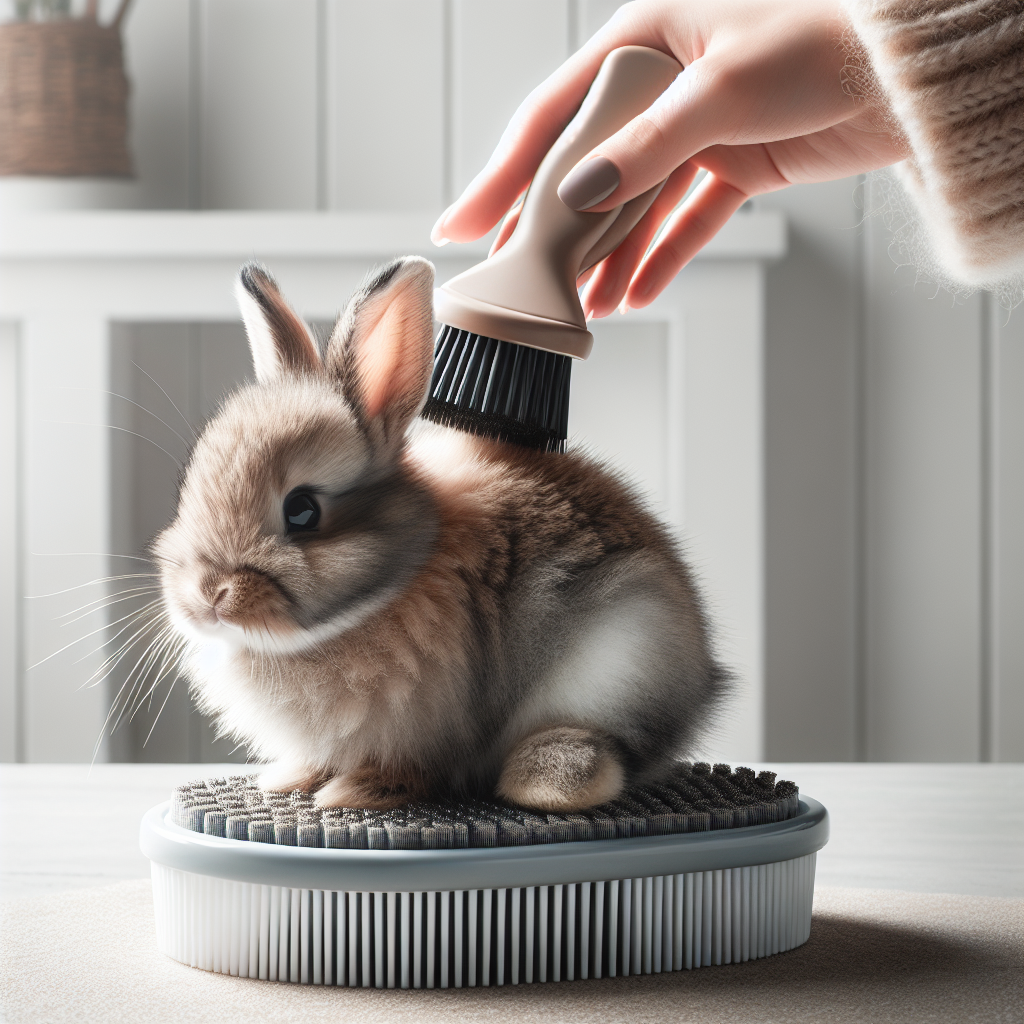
(468, 617)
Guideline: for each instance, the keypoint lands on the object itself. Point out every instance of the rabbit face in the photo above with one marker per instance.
(298, 516)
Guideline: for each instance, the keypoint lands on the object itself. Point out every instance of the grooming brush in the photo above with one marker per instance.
(710, 866)
(512, 325)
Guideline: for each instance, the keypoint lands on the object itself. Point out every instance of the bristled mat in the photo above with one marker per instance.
(692, 798)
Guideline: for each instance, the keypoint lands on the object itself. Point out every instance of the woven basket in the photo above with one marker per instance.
(63, 100)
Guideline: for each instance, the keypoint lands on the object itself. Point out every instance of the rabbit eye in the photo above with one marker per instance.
(301, 512)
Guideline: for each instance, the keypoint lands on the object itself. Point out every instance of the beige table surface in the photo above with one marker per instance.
(77, 940)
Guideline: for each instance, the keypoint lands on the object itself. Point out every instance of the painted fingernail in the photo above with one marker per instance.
(623, 307)
(589, 183)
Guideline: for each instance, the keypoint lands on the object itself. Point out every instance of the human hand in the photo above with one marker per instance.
(764, 102)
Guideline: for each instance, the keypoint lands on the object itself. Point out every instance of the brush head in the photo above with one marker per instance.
(694, 798)
(500, 390)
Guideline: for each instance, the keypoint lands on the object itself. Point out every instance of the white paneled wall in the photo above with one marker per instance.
(893, 487)
(10, 562)
(172, 377)
(387, 83)
(260, 97)
(500, 52)
(894, 501)
(1002, 583)
(333, 104)
(812, 342)
(923, 425)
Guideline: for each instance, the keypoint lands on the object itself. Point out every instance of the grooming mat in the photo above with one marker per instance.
(63, 99)
(710, 867)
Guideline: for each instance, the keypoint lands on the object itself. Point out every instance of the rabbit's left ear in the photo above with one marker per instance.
(382, 347)
(280, 341)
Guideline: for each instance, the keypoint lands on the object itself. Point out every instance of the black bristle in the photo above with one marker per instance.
(497, 389)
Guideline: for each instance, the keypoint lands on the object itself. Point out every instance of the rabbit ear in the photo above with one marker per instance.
(382, 347)
(281, 342)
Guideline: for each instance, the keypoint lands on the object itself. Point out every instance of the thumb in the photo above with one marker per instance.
(684, 120)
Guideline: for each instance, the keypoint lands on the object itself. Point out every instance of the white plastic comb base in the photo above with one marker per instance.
(483, 937)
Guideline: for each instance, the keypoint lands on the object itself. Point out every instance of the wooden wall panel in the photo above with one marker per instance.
(259, 105)
(501, 49)
(385, 108)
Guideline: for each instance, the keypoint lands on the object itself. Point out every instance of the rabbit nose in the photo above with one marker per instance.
(246, 596)
(221, 602)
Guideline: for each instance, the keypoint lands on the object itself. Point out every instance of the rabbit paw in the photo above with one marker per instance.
(286, 776)
(372, 788)
(562, 769)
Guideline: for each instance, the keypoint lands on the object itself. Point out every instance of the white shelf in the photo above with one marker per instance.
(172, 234)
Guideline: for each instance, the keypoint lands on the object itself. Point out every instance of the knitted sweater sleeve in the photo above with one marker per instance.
(953, 73)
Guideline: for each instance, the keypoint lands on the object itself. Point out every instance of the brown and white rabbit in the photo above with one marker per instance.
(391, 610)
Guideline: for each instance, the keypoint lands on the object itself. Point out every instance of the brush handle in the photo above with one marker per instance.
(526, 293)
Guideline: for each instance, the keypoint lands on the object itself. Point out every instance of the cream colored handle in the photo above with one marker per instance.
(533, 276)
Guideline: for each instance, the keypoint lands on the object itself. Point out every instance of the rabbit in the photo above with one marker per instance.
(390, 610)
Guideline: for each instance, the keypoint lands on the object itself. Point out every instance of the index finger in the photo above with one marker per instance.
(532, 131)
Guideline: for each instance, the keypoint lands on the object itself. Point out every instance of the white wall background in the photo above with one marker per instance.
(894, 416)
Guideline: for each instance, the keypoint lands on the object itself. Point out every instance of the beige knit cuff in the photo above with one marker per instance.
(953, 73)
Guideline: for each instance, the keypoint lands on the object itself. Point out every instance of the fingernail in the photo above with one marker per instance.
(589, 183)
(623, 307)
(437, 235)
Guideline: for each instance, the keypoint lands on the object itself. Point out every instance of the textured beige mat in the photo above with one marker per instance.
(90, 956)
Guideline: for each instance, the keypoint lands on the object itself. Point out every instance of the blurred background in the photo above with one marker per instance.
(839, 445)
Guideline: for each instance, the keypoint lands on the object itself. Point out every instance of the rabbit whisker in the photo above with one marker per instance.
(157, 652)
(170, 690)
(148, 624)
(101, 579)
(114, 707)
(110, 714)
(169, 399)
(102, 603)
(155, 655)
(124, 430)
(153, 619)
(88, 554)
(138, 671)
(105, 670)
(170, 663)
(125, 398)
(133, 615)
